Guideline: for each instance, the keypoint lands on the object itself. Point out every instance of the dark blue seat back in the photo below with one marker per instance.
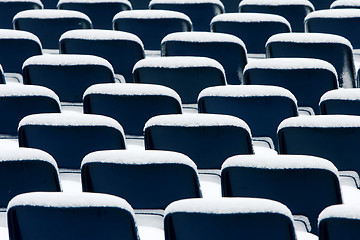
(9, 9)
(340, 102)
(231, 6)
(140, 4)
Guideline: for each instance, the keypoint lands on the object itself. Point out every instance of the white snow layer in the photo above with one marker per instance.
(321, 121)
(100, 34)
(95, 1)
(334, 13)
(196, 120)
(280, 162)
(289, 64)
(151, 14)
(132, 89)
(246, 91)
(50, 14)
(18, 34)
(345, 3)
(349, 211)
(308, 38)
(352, 94)
(19, 90)
(138, 157)
(67, 60)
(214, 2)
(277, 3)
(28, 1)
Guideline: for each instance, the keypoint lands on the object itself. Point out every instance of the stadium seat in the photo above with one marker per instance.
(252, 28)
(208, 139)
(67, 75)
(228, 218)
(305, 184)
(261, 107)
(341, 101)
(200, 11)
(345, 4)
(227, 49)
(151, 26)
(329, 47)
(69, 137)
(121, 49)
(131, 104)
(186, 75)
(101, 12)
(341, 22)
(293, 11)
(44, 215)
(26, 170)
(49, 24)
(334, 137)
(153, 179)
(308, 79)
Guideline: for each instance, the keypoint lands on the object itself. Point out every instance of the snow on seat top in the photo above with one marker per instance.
(100, 34)
(50, 14)
(321, 121)
(277, 3)
(17, 90)
(196, 120)
(308, 38)
(151, 14)
(67, 60)
(231, 205)
(18, 34)
(280, 162)
(246, 91)
(352, 94)
(345, 3)
(70, 119)
(334, 13)
(349, 211)
(69, 200)
(138, 157)
(215, 2)
(289, 64)
(94, 1)
(132, 89)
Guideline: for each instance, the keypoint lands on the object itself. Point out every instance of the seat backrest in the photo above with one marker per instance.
(341, 101)
(305, 184)
(333, 137)
(228, 218)
(140, 4)
(70, 216)
(294, 11)
(344, 4)
(261, 107)
(208, 139)
(153, 179)
(186, 75)
(49, 24)
(151, 26)
(227, 49)
(252, 28)
(69, 137)
(308, 79)
(200, 11)
(67, 75)
(131, 104)
(121, 49)
(329, 47)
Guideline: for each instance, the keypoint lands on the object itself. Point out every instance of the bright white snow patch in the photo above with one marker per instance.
(151, 14)
(334, 13)
(342, 94)
(50, 14)
(350, 211)
(215, 2)
(280, 162)
(18, 34)
(345, 3)
(277, 3)
(95, 1)
(19, 90)
(246, 91)
(138, 157)
(308, 38)
(197, 120)
(132, 89)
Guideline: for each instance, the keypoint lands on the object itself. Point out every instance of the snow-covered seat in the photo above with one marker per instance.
(308, 79)
(186, 75)
(334, 137)
(200, 11)
(18, 101)
(26, 170)
(69, 137)
(332, 48)
(9, 9)
(341, 101)
(131, 104)
(49, 24)
(341, 22)
(101, 12)
(305, 184)
(293, 11)
(121, 49)
(227, 49)
(345, 4)
(228, 218)
(67, 75)
(252, 28)
(45, 215)
(261, 107)
(148, 180)
(151, 26)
